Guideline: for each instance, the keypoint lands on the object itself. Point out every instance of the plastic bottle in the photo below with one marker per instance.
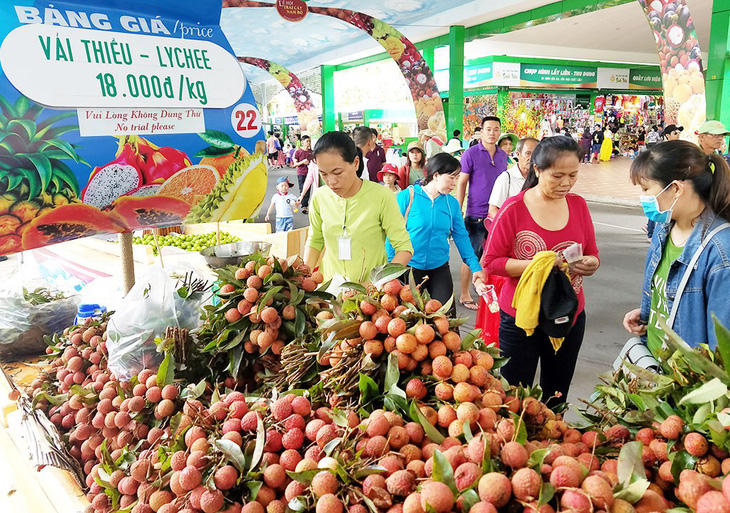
(87, 310)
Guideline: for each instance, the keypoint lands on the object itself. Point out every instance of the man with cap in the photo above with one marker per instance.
(711, 137)
(672, 132)
(284, 202)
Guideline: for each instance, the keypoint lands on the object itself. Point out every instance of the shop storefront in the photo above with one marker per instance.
(539, 97)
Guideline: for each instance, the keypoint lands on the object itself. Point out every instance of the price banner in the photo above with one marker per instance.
(113, 120)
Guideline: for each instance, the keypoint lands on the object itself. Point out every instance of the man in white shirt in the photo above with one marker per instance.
(510, 182)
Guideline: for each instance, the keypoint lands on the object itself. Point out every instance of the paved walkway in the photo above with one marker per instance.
(608, 182)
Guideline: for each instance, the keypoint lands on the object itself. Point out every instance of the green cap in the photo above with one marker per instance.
(713, 128)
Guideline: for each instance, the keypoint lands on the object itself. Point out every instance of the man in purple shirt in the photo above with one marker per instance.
(481, 164)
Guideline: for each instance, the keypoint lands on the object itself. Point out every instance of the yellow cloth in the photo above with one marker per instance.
(529, 292)
(606, 149)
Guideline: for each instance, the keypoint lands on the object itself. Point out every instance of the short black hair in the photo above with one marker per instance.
(547, 153)
(491, 118)
(442, 164)
(374, 131)
(362, 136)
(305, 138)
(271, 132)
(457, 133)
(343, 145)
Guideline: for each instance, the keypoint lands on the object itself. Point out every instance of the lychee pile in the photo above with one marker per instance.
(264, 305)
(428, 425)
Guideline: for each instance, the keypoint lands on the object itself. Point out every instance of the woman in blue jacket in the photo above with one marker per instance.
(687, 193)
(432, 216)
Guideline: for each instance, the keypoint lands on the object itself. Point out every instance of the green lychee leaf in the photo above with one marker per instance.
(443, 472)
(430, 430)
(232, 452)
(217, 138)
(546, 494)
(166, 371)
(305, 476)
(469, 498)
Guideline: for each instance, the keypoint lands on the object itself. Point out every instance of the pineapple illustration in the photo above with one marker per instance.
(33, 177)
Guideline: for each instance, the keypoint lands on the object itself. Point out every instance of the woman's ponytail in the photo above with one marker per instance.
(361, 167)
(719, 195)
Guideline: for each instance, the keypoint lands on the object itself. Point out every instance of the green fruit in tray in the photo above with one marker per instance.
(187, 242)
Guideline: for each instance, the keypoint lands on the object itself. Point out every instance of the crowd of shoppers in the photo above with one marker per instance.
(506, 204)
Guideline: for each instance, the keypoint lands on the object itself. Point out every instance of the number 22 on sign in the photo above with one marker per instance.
(246, 120)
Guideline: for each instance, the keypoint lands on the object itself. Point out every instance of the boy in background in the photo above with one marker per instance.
(284, 202)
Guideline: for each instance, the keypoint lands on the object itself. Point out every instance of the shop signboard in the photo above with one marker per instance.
(478, 75)
(572, 77)
(507, 73)
(645, 79)
(291, 120)
(613, 78)
(113, 119)
(355, 117)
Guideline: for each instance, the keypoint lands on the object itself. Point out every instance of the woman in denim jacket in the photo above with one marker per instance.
(687, 193)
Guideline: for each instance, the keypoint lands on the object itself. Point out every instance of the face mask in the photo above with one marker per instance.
(650, 204)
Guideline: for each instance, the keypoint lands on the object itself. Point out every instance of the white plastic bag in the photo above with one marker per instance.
(151, 306)
(23, 324)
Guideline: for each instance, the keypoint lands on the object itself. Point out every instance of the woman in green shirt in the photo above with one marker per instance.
(351, 218)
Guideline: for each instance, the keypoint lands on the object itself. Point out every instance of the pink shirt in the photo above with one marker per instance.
(515, 234)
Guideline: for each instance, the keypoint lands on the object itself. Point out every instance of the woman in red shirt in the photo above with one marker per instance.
(543, 217)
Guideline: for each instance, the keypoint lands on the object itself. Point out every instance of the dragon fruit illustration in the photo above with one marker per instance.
(156, 163)
(107, 183)
(145, 190)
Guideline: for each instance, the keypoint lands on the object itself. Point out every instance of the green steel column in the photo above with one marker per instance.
(428, 57)
(455, 119)
(717, 75)
(502, 101)
(328, 99)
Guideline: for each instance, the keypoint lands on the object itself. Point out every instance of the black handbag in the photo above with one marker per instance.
(558, 305)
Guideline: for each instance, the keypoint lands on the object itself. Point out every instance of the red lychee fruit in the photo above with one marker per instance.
(495, 488)
(160, 498)
(190, 478)
(466, 475)
(377, 425)
(412, 504)
(416, 389)
(600, 492)
(564, 477)
(225, 477)
(275, 476)
(400, 483)
(671, 428)
(514, 455)
(293, 439)
(324, 483)
(442, 367)
(526, 484)
(211, 501)
(437, 496)
(696, 444)
(713, 502)
(575, 501)
(281, 409)
(329, 503)
(250, 422)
